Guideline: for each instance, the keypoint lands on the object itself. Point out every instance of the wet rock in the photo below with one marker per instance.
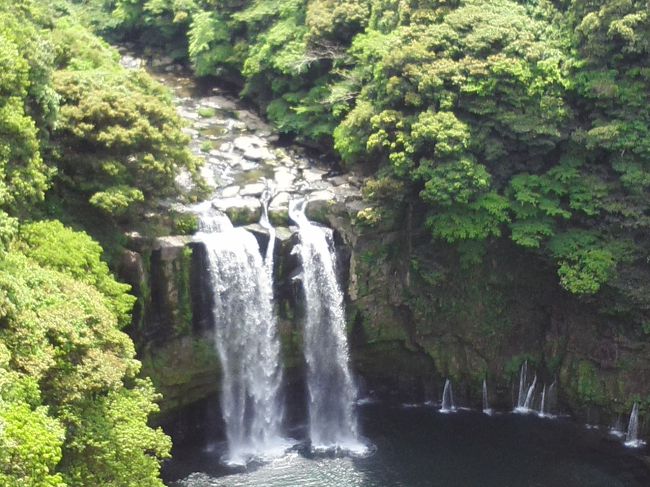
(190, 132)
(279, 208)
(283, 179)
(170, 247)
(130, 62)
(318, 205)
(255, 189)
(337, 180)
(160, 62)
(312, 175)
(240, 210)
(230, 192)
(253, 148)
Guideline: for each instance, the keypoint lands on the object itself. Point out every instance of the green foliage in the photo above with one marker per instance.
(207, 112)
(208, 42)
(25, 99)
(520, 120)
(72, 408)
(52, 245)
(30, 446)
(118, 138)
(185, 224)
(60, 334)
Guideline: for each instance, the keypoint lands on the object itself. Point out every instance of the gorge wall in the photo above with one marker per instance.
(409, 329)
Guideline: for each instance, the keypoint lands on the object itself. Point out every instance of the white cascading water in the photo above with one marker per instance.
(486, 404)
(266, 224)
(632, 436)
(526, 392)
(332, 391)
(542, 404)
(246, 339)
(448, 405)
(521, 399)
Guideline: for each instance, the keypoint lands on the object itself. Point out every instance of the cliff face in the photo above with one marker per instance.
(417, 312)
(420, 313)
(416, 315)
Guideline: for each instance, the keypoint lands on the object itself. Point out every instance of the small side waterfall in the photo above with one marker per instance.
(617, 428)
(246, 340)
(332, 391)
(530, 394)
(542, 403)
(521, 399)
(486, 404)
(448, 405)
(266, 224)
(526, 392)
(632, 436)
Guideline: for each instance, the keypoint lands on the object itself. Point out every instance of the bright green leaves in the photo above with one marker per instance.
(480, 219)
(585, 262)
(114, 446)
(30, 446)
(23, 175)
(540, 201)
(209, 45)
(116, 200)
(119, 139)
(455, 183)
(54, 246)
(336, 21)
(440, 135)
(64, 364)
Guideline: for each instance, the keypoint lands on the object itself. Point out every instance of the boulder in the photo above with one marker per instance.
(240, 210)
(318, 205)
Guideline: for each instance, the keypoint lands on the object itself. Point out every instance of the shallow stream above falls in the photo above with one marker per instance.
(242, 155)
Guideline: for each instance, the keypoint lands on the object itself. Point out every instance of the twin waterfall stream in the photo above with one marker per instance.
(248, 345)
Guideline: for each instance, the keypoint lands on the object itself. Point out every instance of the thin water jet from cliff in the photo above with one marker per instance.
(448, 405)
(332, 391)
(617, 428)
(632, 436)
(486, 405)
(542, 404)
(246, 339)
(526, 392)
(265, 199)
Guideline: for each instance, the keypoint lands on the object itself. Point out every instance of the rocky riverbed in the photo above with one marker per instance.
(241, 154)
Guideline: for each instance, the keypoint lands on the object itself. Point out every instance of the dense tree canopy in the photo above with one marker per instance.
(523, 120)
(498, 120)
(73, 408)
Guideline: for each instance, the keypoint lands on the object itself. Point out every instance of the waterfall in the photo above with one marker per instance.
(521, 399)
(265, 223)
(246, 340)
(526, 393)
(632, 435)
(486, 404)
(530, 394)
(617, 427)
(542, 404)
(448, 405)
(332, 391)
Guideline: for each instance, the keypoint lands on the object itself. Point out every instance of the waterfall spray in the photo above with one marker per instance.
(486, 404)
(632, 436)
(246, 340)
(448, 405)
(332, 391)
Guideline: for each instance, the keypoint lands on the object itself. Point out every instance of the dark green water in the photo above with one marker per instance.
(420, 447)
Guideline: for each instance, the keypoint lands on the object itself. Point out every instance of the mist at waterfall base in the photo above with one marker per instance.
(246, 339)
(419, 446)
